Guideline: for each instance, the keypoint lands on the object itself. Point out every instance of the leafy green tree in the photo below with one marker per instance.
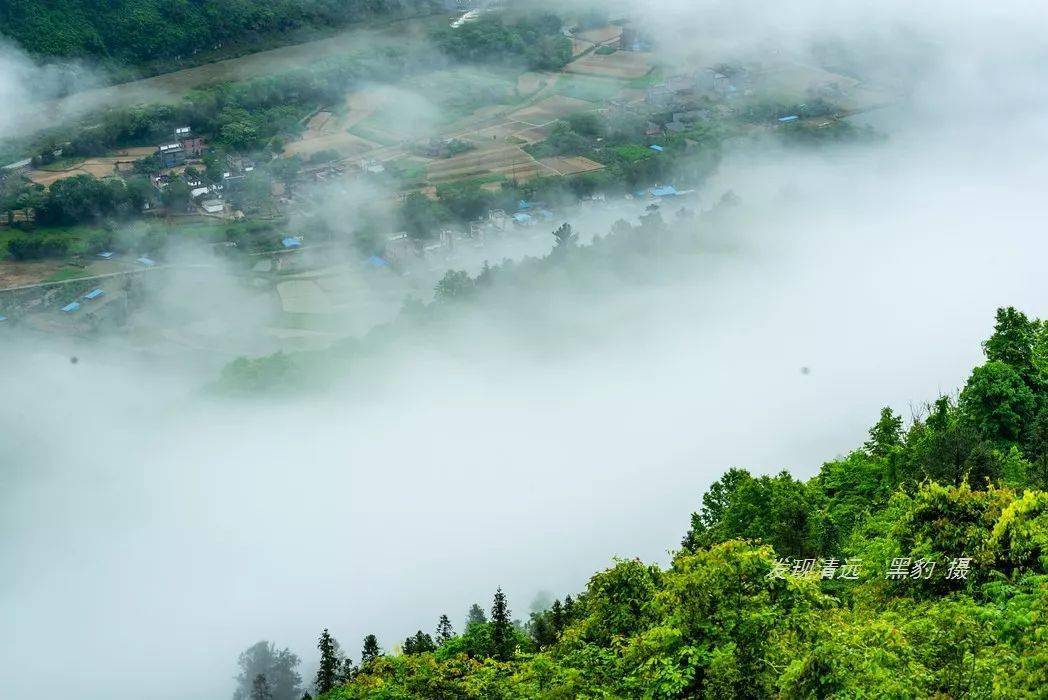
(998, 402)
(475, 615)
(260, 688)
(176, 195)
(886, 435)
(421, 216)
(287, 171)
(455, 285)
(328, 671)
(778, 510)
(1012, 341)
(278, 666)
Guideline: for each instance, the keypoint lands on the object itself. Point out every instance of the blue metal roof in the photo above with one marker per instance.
(94, 294)
(523, 204)
(146, 261)
(653, 147)
(3, 318)
(665, 191)
(790, 118)
(291, 242)
(105, 254)
(71, 307)
(376, 261)
(521, 217)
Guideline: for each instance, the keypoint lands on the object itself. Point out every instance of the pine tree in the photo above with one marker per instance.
(565, 236)
(475, 615)
(307, 696)
(557, 617)
(348, 670)
(418, 643)
(370, 651)
(260, 688)
(501, 627)
(569, 610)
(327, 674)
(444, 630)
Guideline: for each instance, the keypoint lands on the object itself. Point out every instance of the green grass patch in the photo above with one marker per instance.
(587, 88)
(70, 272)
(365, 132)
(631, 153)
(650, 78)
(60, 164)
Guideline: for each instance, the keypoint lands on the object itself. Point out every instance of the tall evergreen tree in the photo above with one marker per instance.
(501, 627)
(327, 673)
(569, 610)
(370, 650)
(444, 630)
(348, 670)
(419, 643)
(260, 688)
(557, 616)
(564, 236)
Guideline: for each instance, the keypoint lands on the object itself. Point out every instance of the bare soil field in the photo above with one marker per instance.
(17, 274)
(551, 108)
(571, 165)
(347, 145)
(531, 82)
(601, 35)
(100, 166)
(793, 80)
(477, 162)
(623, 65)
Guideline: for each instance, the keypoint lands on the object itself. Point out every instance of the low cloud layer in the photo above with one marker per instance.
(156, 533)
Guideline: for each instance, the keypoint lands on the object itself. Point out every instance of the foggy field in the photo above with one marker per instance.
(621, 64)
(422, 419)
(172, 87)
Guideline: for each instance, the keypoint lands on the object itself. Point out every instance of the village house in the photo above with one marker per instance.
(17, 168)
(400, 246)
(171, 154)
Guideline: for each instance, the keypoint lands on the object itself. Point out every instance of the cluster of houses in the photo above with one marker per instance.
(184, 147)
(692, 87)
(208, 197)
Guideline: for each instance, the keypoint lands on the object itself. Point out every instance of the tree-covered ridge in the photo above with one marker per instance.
(741, 613)
(140, 31)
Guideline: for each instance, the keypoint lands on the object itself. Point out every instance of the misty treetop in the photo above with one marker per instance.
(785, 588)
(535, 40)
(140, 31)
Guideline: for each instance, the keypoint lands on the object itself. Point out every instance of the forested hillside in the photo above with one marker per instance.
(138, 31)
(914, 566)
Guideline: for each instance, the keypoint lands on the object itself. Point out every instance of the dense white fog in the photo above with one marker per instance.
(150, 533)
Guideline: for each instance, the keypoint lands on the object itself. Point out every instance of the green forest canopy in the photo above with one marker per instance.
(783, 587)
(140, 31)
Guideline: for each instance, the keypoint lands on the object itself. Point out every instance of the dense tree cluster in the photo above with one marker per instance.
(757, 604)
(140, 31)
(535, 40)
